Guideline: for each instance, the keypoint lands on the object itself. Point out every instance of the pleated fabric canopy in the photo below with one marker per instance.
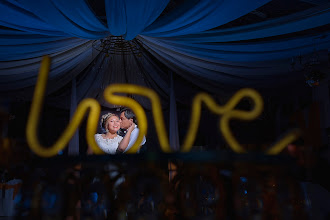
(192, 41)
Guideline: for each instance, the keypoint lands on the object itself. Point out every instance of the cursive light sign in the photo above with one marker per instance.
(227, 113)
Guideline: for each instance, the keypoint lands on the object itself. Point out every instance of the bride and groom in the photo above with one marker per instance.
(120, 134)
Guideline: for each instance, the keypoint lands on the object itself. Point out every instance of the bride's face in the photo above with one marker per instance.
(113, 124)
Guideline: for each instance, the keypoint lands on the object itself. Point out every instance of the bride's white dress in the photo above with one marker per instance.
(109, 146)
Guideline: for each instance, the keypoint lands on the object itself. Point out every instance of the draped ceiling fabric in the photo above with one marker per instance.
(191, 40)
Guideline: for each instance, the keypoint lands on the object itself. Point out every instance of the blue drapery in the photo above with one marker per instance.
(195, 16)
(188, 40)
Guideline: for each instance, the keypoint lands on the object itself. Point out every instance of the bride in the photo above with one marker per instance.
(110, 142)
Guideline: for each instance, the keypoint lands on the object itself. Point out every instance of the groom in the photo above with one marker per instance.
(128, 119)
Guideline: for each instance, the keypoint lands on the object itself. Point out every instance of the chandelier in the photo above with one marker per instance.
(117, 45)
(310, 66)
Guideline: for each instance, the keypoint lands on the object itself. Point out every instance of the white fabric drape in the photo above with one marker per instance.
(174, 129)
(74, 142)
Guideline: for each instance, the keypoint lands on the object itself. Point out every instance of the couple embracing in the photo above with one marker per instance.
(110, 141)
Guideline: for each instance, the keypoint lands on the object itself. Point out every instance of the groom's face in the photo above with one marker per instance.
(124, 122)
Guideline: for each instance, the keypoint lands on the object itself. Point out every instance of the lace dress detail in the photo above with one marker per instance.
(109, 146)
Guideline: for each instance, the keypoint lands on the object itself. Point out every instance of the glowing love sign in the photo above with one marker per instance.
(93, 107)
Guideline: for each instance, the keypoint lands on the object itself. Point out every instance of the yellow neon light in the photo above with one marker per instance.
(227, 111)
(32, 123)
(281, 144)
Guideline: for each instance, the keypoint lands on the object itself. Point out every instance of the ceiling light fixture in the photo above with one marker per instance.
(117, 45)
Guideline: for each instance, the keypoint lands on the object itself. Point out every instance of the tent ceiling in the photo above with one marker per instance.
(213, 46)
